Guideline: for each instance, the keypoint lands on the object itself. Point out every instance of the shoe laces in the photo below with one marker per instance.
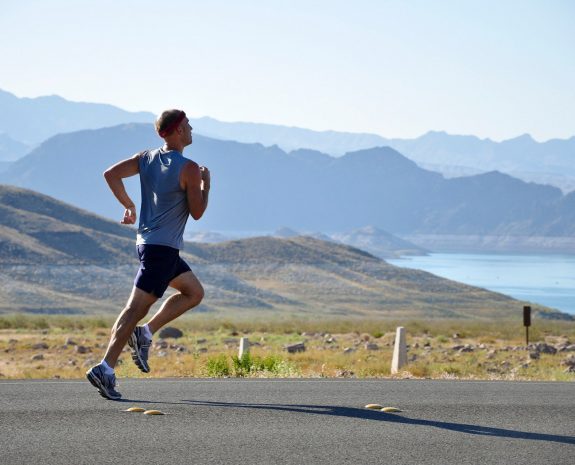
(110, 381)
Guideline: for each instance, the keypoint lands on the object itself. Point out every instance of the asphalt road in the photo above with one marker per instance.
(288, 422)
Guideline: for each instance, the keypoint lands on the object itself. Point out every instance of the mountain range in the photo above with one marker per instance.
(28, 122)
(56, 258)
(551, 162)
(259, 188)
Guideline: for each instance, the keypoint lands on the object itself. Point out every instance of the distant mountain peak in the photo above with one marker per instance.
(445, 137)
(33, 120)
(286, 232)
(435, 133)
(522, 138)
(386, 154)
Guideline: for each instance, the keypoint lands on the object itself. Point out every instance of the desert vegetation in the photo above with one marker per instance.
(65, 346)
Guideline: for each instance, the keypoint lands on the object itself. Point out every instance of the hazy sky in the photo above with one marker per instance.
(493, 68)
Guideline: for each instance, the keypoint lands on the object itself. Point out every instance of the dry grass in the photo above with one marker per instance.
(498, 348)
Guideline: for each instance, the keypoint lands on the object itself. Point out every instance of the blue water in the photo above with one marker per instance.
(544, 279)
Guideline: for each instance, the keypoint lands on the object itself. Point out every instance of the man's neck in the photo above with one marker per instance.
(176, 147)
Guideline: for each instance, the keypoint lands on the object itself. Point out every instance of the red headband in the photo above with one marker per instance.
(173, 126)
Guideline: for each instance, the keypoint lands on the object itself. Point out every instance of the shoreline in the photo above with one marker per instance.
(494, 244)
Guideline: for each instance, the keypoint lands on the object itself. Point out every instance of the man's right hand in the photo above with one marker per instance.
(205, 173)
(129, 216)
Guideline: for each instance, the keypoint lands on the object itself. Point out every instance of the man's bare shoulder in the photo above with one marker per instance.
(190, 167)
(140, 155)
(190, 174)
(189, 163)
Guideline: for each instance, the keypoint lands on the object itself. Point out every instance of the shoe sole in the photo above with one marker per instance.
(140, 363)
(95, 381)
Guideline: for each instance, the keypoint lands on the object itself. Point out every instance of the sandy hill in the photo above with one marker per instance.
(59, 259)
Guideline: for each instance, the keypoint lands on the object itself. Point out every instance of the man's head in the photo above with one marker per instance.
(173, 126)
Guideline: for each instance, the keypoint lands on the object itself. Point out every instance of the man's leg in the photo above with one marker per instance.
(102, 375)
(189, 296)
(137, 308)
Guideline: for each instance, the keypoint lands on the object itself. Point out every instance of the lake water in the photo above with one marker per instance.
(545, 279)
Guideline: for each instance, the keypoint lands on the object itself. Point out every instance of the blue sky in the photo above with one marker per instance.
(495, 69)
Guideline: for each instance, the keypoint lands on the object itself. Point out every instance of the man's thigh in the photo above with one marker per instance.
(187, 283)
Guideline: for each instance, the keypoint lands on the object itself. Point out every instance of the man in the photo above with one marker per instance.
(173, 187)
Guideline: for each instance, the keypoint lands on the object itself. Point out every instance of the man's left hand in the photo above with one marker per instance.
(129, 216)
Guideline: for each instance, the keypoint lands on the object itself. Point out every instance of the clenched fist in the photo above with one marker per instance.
(205, 173)
(129, 216)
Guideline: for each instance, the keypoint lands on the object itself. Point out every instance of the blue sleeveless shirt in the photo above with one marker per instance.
(164, 210)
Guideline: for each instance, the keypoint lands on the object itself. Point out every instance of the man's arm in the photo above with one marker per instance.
(114, 177)
(195, 181)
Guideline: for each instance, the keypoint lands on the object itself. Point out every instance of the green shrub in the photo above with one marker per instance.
(272, 365)
(242, 366)
(217, 367)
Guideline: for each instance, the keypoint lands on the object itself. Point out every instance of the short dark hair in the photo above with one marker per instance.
(168, 121)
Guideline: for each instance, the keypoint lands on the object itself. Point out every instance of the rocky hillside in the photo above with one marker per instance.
(58, 259)
(35, 228)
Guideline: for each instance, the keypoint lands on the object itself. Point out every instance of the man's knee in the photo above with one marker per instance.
(196, 295)
(190, 288)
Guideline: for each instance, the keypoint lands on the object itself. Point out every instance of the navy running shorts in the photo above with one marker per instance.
(159, 264)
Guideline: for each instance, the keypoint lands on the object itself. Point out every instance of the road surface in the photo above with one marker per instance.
(308, 421)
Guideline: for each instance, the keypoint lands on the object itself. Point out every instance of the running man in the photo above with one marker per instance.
(173, 187)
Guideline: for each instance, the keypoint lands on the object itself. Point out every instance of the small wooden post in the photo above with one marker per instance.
(526, 322)
(399, 351)
(244, 347)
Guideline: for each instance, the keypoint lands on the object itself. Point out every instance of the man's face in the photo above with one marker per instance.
(186, 131)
